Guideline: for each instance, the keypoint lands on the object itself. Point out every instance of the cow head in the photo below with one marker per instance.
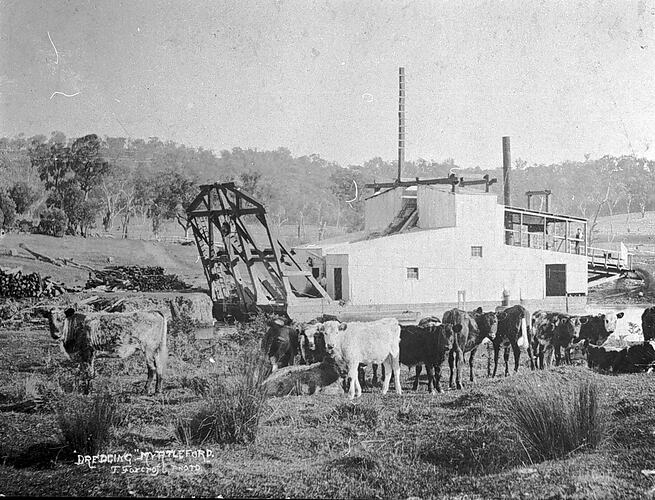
(609, 320)
(487, 323)
(572, 324)
(310, 332)
(57, 321)
(648, 323)
(331, 331)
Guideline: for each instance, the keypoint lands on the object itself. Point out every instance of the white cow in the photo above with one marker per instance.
(365, 342)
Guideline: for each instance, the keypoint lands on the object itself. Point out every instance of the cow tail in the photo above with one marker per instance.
(524, 342)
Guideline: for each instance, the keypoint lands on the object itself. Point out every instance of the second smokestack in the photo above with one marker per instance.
(507, 165)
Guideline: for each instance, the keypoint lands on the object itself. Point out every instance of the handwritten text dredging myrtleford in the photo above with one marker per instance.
(121, 460)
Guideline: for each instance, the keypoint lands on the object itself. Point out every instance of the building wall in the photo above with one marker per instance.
(338, 261)
(378, 268)
(382, 209)
(436, 207)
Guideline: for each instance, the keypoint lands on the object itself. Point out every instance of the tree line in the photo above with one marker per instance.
(75, 184)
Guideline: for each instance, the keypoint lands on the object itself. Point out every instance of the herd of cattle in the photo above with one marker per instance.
(354, 345)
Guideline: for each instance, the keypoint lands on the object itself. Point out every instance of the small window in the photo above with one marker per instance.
(476, 251)
(412, 273)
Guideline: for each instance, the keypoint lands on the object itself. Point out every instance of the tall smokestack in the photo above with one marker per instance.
(401, 120)
(507, 165)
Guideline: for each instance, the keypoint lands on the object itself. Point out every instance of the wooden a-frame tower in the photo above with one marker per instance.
(246, 269)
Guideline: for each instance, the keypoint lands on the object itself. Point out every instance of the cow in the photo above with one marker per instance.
(429, 320)
(312, 347)
(365, 342)
(648, 323)
(426, 345)
(84, 336)
(595, 330)
(513, 332)
(280, 344)
(633, 359)
(476, 325)
(553, 330)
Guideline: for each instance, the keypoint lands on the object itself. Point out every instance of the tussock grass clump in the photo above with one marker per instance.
(554, 418)
(233, 409)
(363, 414)
(86, 424)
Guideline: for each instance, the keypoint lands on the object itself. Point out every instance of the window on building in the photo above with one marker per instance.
(412, 273)
(476, 251)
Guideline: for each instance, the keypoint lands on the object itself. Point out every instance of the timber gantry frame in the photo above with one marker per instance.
(247, 270)
(452, 179)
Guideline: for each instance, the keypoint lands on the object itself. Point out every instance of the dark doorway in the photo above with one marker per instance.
(338, 292)
(316, 271)
(555, 280)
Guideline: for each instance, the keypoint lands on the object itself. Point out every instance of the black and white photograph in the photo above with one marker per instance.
(327, 249)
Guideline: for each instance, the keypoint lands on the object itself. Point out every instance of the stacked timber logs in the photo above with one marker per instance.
(16, 285)
(135, 278)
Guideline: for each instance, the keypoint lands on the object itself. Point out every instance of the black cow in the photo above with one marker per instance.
(513, 332)
(633, 359)
(648, 323)
(280, 344)
(418, 346)
(476, 325)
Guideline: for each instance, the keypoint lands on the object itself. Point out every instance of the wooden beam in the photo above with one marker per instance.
(210, 213)
(444, 180)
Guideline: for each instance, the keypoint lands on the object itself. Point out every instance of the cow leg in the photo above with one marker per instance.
(419, 368)
(490, 347)
(354, 381)
(361, 375)
(496, 355)
(451, 365)
(374, 381)
(430, 369)
(471, 359)
(517, 356)
(548, 354)
(506, 359)
(558, 355)
(459, 361)
(437, 371)
(530, 356)
(387, 375)
(395, 366)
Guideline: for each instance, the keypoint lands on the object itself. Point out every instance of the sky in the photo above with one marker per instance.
(562, 79)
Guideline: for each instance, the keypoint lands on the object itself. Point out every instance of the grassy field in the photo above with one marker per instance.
(457, 444)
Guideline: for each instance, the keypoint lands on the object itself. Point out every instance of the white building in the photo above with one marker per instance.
(429, 247)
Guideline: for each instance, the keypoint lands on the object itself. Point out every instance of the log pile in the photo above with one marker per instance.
(134, 278)
(16, 285)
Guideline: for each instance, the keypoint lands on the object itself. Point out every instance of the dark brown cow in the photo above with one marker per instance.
(476, 325)
(648, 323)
(280, 344)
(553, 330)
(513, 333)
(595, 330)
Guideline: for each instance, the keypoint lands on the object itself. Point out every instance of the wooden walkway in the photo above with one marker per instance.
(603, 264)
